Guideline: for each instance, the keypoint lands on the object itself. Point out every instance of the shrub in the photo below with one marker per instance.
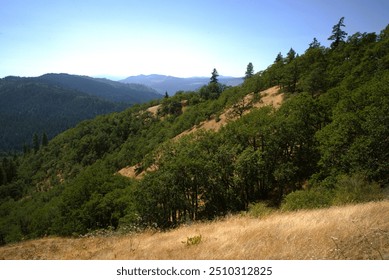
(194, 240)
(354, 189)
(307, 199)
(259, 210)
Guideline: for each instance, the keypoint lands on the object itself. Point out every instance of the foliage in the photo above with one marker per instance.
(260, 210)
(249, 71)
(194, 240)
(355, 189)
(338, 35)
(29, 107)
(307, 199)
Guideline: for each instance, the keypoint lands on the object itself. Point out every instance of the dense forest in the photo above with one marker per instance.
(53, 103)
(326, 145)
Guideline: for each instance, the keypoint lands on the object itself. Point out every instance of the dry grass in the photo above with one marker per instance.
(348, 232)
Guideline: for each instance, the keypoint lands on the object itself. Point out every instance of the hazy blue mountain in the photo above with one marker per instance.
(171, 84)
(29, 106)
(106, 89)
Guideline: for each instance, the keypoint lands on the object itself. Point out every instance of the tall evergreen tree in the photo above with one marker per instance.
(338, 35)
(3, 176)
(250, 71)
(35, 142)
(279, 59)
(214, 79)
(315, 44)
(45, 140)
(291, 55)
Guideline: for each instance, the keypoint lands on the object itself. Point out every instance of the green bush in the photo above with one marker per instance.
(194, 240)
(259, 210)
(307, 199)
(355, 189)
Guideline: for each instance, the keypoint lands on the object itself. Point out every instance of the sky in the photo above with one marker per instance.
(121, 38)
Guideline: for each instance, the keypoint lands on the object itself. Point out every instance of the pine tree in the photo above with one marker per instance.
(315, 44)
(338, 34)
(214, 79)
(290, 56)
(279, 59)
(3, 176)
(45, 140)
(250, 71)
(35, 142)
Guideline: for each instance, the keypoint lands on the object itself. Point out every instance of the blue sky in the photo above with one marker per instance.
(188, 38)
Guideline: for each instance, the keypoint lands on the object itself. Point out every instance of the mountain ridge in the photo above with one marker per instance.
(171, 84)
(103, 88)
(52, 103)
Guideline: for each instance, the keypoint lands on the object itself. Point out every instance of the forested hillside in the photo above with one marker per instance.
(52, 103)
(327, 144)
(130, 93)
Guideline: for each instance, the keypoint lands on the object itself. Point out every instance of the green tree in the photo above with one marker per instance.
(356, 140)
(338, 35)
(275, 72)
(3, 176)
(290, 56)
(45, 140)
(249, 71)
(279, 59)
(214, 79)
(35, 142)
(315, 44)
(290, 72)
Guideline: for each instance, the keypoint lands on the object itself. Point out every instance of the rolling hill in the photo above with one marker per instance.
(53, 103)
(129, 93)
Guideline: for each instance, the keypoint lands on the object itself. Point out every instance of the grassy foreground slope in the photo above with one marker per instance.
(348, 232)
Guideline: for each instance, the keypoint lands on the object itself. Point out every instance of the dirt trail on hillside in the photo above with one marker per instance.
(347, 232)
(269, 97)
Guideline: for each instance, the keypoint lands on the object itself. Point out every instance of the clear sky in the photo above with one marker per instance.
(120, 38)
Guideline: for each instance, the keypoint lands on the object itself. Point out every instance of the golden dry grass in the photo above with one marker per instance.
(348, 232)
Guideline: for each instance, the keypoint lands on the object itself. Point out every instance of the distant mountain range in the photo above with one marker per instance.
(170, 84)
(130, 93)
(53, 103)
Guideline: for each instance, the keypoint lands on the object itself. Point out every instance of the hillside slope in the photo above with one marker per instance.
(28, 107)
(269, 97)
(348, 232)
